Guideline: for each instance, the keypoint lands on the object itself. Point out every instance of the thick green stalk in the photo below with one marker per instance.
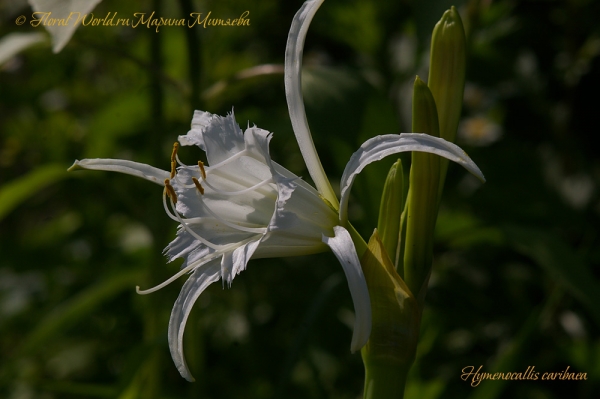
(390, 351)
(385, 380)
(422, 196)
(447, 66)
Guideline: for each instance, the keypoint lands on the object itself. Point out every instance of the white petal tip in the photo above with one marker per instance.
(361, 333)
(75, 166)
(144, 292)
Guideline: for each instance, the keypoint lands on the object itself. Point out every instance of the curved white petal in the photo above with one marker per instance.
(186, 246)
(142, 170)
(234, 262)
(69, 10)
(380, 147)
(343, 248)
(293, 94)
(200, 121)
(13, 43)
(200, 279)
(219, 136)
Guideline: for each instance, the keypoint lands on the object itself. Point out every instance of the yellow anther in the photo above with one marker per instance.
(174, 153)
(173, 168)
(198, 185)
(201, 166)
(170, 191)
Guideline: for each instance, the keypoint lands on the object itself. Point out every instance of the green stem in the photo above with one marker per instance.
(385, 380)
(391, 349)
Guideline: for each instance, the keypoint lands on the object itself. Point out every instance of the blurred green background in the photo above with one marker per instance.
(515, 281)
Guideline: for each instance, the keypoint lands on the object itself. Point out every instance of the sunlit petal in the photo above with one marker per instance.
(343, 248)
(293, 94)
(380, 147)
(144, 171)
(201, 278)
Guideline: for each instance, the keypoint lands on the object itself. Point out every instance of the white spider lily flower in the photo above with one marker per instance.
(241, 205)
(244, 205)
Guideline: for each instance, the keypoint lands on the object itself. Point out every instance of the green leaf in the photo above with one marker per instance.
(508, 360)
(511, 357)
(558, 259)
(80, 389)
(76, 308)
(122, 117)
(21, 188)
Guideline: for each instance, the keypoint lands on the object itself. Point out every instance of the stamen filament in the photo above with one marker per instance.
(182, 184)
(193, 233)
(190, 267)
(259, 230)
(254, 187)
(197, 219)
(167, 210)
(230, 159)
(179, 160)
(174, 277)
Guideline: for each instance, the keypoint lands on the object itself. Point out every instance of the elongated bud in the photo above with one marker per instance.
(395, 317)
(447, 71)
(390, 210)
(422, 196)
(447, 77)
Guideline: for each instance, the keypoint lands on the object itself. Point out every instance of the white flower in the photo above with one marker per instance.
(243, 205)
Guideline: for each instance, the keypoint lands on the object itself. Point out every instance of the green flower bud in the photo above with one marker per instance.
(422, 196)
(447, 77)
(447, 71)
(390, 210)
